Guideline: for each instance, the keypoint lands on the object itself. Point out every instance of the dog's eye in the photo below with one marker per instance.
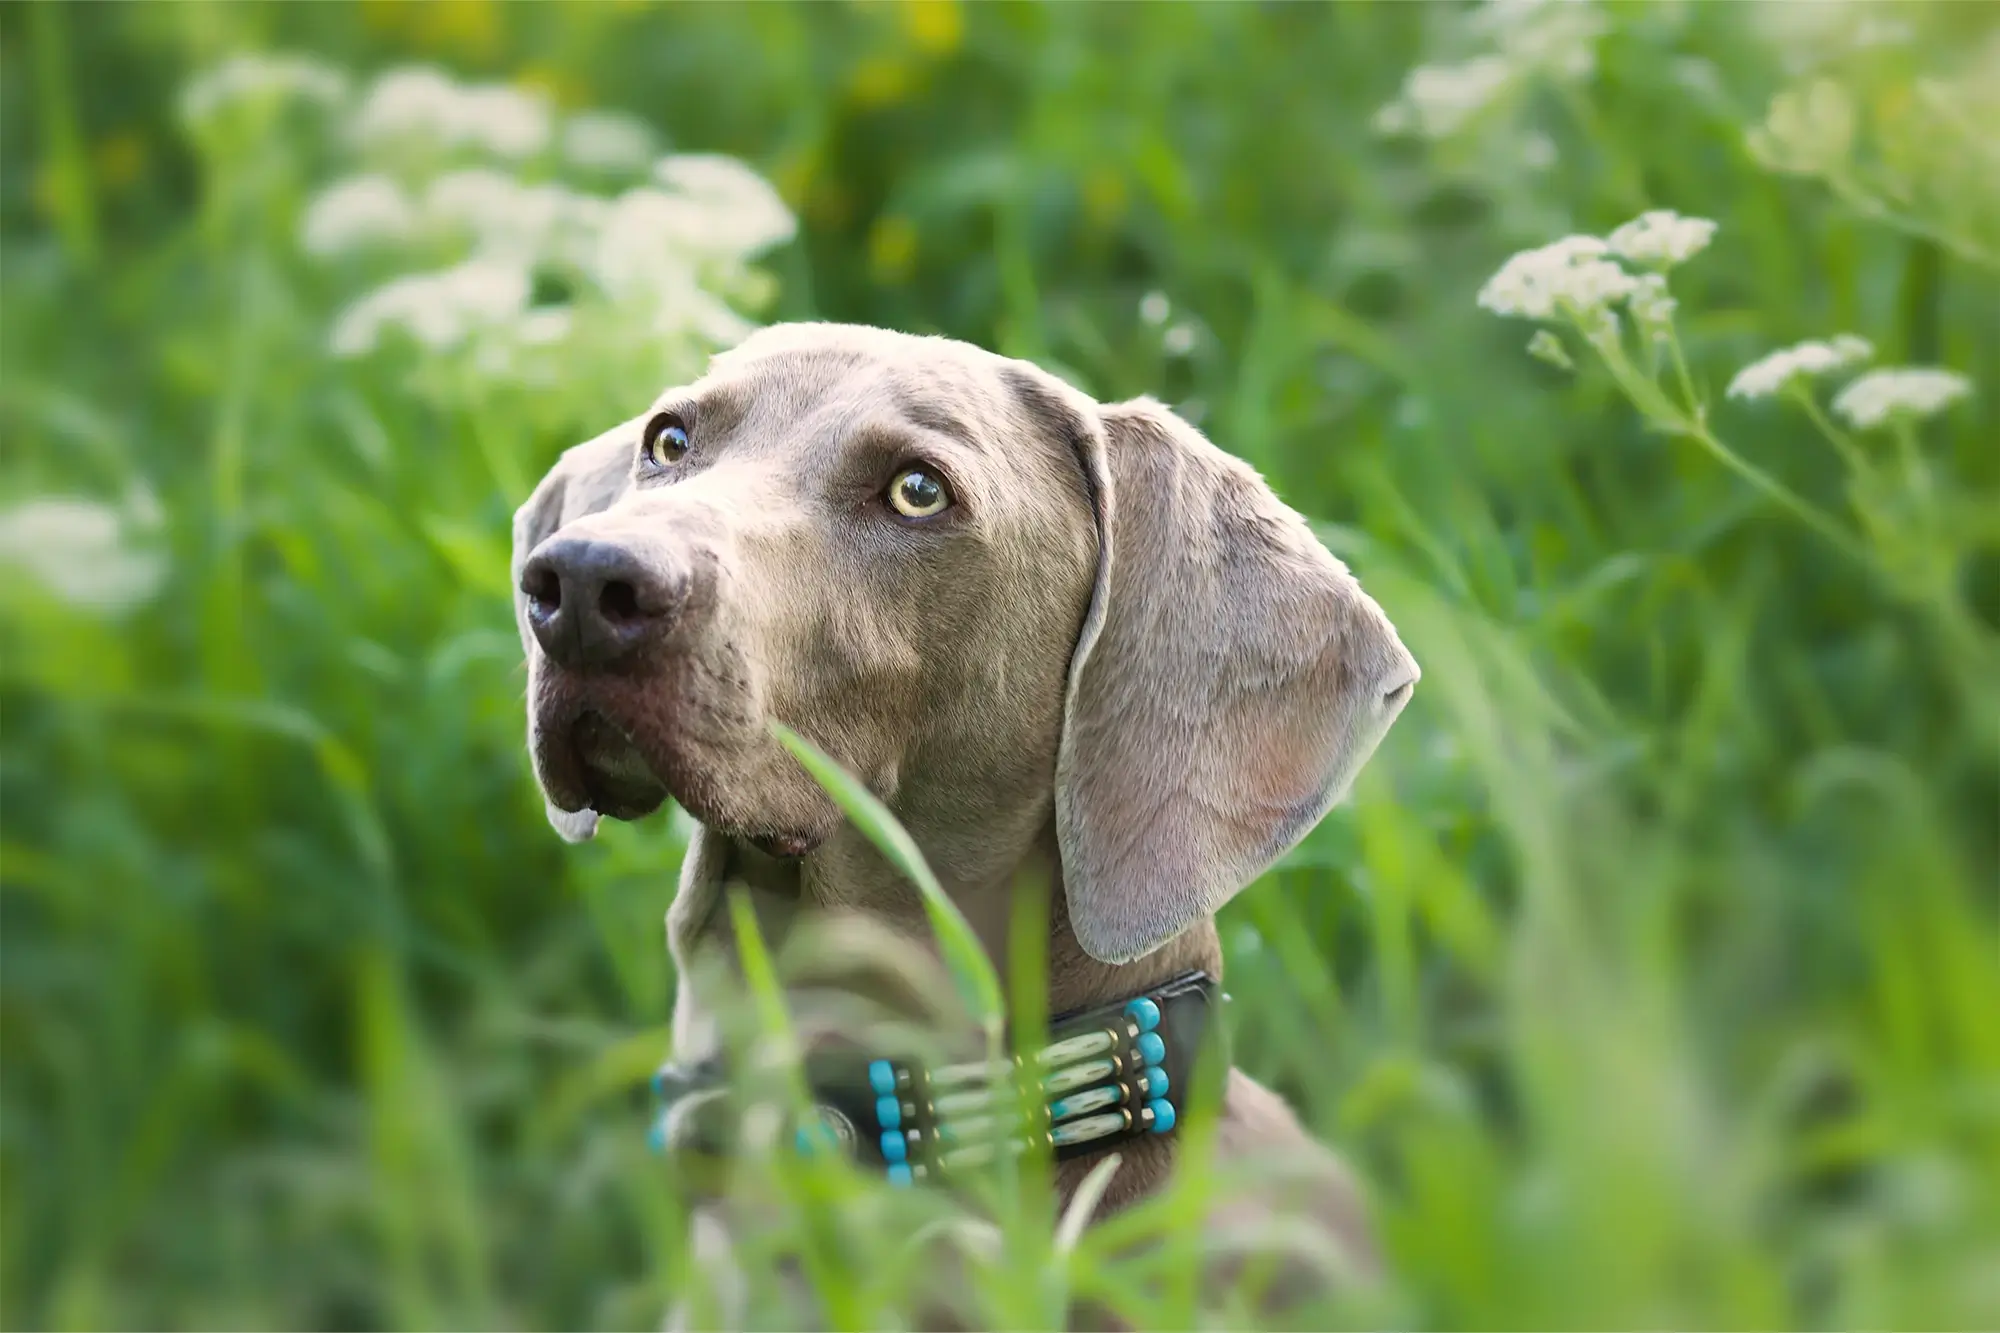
(666, 440)
(918, 494)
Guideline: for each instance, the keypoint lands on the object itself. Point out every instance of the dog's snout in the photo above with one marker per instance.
(591, 603)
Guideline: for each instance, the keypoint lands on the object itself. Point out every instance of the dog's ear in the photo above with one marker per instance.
(588, 477)
(1230, 679)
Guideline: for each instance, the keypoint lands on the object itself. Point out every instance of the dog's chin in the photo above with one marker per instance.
(593, 766)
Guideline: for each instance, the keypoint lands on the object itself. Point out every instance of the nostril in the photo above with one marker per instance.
(542, 587)
(618, 602)
(1399, 696)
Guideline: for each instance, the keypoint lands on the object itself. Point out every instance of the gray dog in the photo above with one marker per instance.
(1052, 636)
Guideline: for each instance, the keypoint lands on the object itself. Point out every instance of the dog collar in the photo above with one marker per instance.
(1108, 1075)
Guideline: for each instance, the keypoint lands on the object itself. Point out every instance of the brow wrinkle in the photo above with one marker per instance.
(934, 416)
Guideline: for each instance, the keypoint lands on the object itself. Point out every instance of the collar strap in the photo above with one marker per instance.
(1108, 1075)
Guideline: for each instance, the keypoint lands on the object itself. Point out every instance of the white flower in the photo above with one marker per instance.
(1912, 391)
(406, 102)
(506, 122)
(748, 207)
(1765, 377)
(1154, 308)
(1662, 237)
(78, 550)
(1556, 38)
(1566, 277)
(1808, 131)
(355, 213)
(1545, 346)
(1179, 340)
(1438, 100)
(606, 141)
(1651, 306)
(260, 78)
(423, 104)
(549, 324)
(505, 217)
(651, 239)
(440, 310)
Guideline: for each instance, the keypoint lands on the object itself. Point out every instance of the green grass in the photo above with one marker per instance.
(1650, 978)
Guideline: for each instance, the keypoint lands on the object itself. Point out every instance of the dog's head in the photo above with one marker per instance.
(994, 600)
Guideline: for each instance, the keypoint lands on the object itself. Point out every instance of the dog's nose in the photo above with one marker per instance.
(593, 603)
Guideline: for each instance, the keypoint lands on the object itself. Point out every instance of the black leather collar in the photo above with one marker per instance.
(1107, 1075)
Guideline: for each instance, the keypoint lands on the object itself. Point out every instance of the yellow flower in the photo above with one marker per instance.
(120, 158)
(1103, 198)
(879, 82)
(468, 27)
(936, 26)
(793, 177)
(560, 86)
(830, 204)
(892, 248)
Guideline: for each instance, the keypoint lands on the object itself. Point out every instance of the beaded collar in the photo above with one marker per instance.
(1109, 1074)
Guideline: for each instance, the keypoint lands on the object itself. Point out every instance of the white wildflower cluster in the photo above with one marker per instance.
(1439, 100)
(440, 310)
(485, 179)
(1808, 131)
(1177, 339)
(1531, 39)
(86, 553)
(1556, 38)
(607, 141)
(1661, 238)
(260, 80)
(1579, 279)
(420, 105)
(1570, 277)
(1770, 374)
(1881, 396)
(358, 213)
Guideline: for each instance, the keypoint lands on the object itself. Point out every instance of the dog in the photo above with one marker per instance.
(1054, 637)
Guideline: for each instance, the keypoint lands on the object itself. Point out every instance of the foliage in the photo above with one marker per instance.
(1650, 976)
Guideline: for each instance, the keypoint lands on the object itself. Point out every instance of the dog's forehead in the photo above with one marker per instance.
(788, 374)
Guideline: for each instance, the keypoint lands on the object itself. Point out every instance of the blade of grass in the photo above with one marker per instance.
(971, 970)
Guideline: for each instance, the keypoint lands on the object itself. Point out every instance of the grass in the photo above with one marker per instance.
(1648, 979)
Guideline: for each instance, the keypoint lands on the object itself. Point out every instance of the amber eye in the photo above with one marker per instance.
(666, 440)
(918, 494)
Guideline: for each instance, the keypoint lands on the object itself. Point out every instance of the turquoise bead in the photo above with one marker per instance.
(893, 1146)
(656, 1137)
(889, 1112)
(805, 1141)
(881, 1077)
(1154, 1082)
(899, 1174)
(1144, 1012)
(1163, 1115)
(1151, 1049)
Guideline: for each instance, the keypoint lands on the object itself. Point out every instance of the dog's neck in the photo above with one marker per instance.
(847, 877)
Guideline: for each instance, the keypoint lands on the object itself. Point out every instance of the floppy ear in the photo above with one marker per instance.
(1229, 681)
(588, 477)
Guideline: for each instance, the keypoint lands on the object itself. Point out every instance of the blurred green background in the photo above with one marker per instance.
(1652, 977)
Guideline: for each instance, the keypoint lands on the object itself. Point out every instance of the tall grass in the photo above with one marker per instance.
(1650, 978)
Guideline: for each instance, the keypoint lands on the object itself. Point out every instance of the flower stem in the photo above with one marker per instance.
(1784, 496)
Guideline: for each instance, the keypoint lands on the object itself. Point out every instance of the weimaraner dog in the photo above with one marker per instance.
(1053, 636)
